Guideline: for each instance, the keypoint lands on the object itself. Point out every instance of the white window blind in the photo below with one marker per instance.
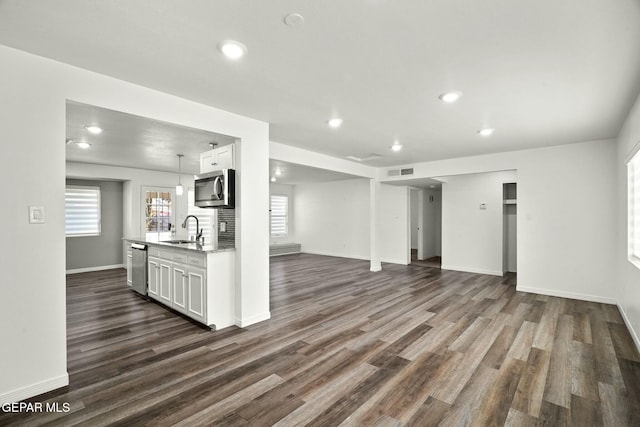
(82, 211)
(633, 170)
(279, 215)
(206, 218)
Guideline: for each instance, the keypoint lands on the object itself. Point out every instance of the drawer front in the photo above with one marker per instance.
(152, 251)
(199, 260)
(165, 253)
(180, 256)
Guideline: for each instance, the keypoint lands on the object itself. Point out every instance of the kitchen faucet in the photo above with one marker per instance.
(198, 229)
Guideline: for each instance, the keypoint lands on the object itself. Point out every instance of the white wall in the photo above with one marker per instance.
(332, 218)
(472, 238)
(135, 180)
(628, 277)
(566, 223)
(394, 228)
(289, 191)
(104, 251)
(34, 90)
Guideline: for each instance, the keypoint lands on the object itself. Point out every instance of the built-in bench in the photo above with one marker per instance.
(284, 249)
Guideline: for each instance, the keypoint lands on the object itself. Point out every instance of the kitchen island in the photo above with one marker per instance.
(193, 279)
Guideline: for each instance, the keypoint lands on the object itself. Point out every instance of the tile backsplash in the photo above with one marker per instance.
(228, 216)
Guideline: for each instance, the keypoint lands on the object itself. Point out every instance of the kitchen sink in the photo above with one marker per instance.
(177, 242)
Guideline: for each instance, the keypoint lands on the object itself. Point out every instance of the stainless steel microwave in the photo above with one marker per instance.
(215, 189)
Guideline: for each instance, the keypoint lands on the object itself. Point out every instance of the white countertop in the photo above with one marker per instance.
(191, 246)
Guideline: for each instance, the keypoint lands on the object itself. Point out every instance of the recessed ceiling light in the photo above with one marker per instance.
(94, 129)
(273, 179)
(278, 172)
(396, 146)
(83, 145)
(335, 122)
(294, 19)
(232, 49)
(68, 141)
(432, 186)
(450, 97)
(486, 131)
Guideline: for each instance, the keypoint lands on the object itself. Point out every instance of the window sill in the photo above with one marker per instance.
(634, 260)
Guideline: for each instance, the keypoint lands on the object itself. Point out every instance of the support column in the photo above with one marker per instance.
(252, 230)
(374, 209)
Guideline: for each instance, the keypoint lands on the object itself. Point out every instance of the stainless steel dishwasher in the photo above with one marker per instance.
(139, 268)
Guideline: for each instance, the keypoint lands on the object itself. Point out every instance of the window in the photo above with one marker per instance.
(633, 171)
(279, 215)
(82, 211)
(158, 213)
(206, 218)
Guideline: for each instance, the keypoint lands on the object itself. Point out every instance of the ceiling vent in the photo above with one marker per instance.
(399, 172)
(364, 158)
(407, 171)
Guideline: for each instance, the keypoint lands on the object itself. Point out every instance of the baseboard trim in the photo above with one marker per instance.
(243, 323)
(334, 255)
(35, 389)
(285, 253)
(472, 270)
(562, 294)
(395, 261)
(632, 331)
(98, 268)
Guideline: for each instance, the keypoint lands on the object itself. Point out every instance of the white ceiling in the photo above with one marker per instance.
(143, 143)
(542, 72)
(137, 142)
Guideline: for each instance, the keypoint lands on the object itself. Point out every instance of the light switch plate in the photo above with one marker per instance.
(36, 215)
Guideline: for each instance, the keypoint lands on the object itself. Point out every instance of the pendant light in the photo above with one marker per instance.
(179, 189)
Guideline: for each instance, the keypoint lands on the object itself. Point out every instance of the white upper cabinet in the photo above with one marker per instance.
(217, 159)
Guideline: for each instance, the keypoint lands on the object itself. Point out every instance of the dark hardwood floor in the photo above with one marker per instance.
(435, 262)
(409, 345)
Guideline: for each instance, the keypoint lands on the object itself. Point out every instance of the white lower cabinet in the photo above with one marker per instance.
(129, 268)
(164, 282)
(152, 276)
(196, 299)
(179, 280)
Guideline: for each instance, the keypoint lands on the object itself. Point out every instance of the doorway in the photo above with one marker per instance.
(159, 214)
(509, 223)
(425, 224)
